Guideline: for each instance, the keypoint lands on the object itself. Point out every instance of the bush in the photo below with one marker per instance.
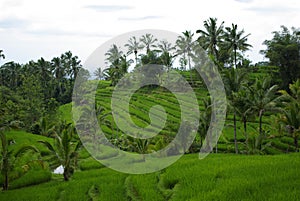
(31, 178)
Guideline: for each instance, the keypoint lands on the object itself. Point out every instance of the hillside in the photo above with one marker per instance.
(144, 99)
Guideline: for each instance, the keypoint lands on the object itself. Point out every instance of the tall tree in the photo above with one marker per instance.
(264, 98)
(64, 151)
(211, 37)
(283, 51)
(148, 42)
(185, 45)
(234, 79)
(98, 73)
(133, 46)
(236, 41)
(113, 55)
(243, 108)
(166, 56)
(291, 111)
(8, 156)
(11, 74)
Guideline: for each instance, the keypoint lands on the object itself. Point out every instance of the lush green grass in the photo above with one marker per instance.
(217, 177)
(144, 99)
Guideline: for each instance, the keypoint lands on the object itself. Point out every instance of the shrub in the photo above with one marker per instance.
(31, 178)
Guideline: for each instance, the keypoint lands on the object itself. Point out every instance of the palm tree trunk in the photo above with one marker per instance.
(260, 126)
(191, 76)
(5, 184)
(234, 127)
(235, 58)
(245, 132)
(135, 59)
(260, 123)
(66, 175)
(296, 143)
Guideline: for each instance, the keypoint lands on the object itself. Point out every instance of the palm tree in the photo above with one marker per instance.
(165, 47)
(204, 121)
(291, 111)
(291, 118)
(59, 73)
(12, 74)
(235, 41)
(75, 67)
(64, 151)
(98, 73)
(233, 82)
(8, 156)
(133, 47)
(2, 55)
(210, 38)
(148, 41)
(185, 45)
(264, 98)
(58, 68)
(113, 55)
(243, 108)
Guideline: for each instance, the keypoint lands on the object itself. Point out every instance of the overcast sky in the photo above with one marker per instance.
(30, 29)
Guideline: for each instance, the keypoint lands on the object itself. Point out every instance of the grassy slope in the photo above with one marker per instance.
(142, 101)
(217, 177)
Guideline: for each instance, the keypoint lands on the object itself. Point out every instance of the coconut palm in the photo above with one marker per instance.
(236, 41)
(98, 73)
(8, 156)
(204, 121)
(291, 119)
(166, 48)
(263, 98)
(211, 37)
(113, 55)
(64, 150)
(185, 45)
(12, 72)
(133, 46)
(58, 68)
(233, 81)
(148, 41)
(291, 111)
(243, 108)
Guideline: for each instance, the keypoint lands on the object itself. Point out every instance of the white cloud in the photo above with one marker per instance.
(30, 29)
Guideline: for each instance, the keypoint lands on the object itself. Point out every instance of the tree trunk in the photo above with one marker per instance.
(245, 133)
(296, 143)
(260, 123)
(135, 54)
(234, 57)
(66, 175)
(234, 127)
(260, 127)
(190, 67)
(5, 184)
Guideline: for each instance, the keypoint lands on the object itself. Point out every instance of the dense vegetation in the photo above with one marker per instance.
(263, 117)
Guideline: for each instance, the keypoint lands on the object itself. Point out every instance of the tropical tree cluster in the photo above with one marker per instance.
(31, 93)
(35, 89)
(62, 152)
